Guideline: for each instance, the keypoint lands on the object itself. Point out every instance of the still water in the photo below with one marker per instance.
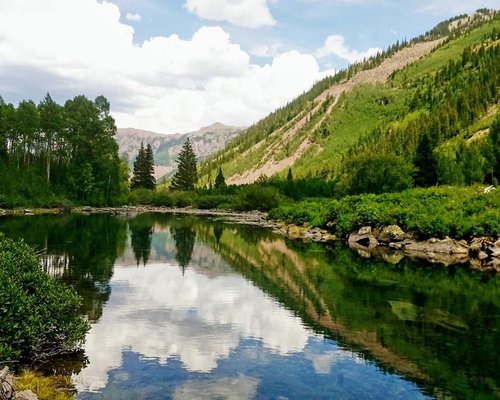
(194, 308)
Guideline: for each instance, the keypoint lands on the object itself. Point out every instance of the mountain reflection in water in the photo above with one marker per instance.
(185, 307)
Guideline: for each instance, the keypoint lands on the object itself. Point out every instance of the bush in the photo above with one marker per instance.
(39, 315)
(379, 173)
(256, 197)
(460, 212)
(206, 202)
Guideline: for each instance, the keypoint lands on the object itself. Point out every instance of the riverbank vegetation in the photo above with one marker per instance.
(40, 315)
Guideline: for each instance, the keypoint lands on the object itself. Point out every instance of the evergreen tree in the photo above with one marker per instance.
(149, 177)
(289, 176)
(220, 181)
(186, 176)
(144, 169)
(426, 173)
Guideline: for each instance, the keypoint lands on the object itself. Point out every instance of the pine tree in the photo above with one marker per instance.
(426, 173)
(144, 169)
(220, 181)
(149, 177)
(186, 176)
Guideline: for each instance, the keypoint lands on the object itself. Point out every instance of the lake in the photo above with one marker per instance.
(185, 307)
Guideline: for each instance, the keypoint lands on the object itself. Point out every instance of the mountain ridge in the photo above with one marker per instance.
(314, 132)
(166, 147)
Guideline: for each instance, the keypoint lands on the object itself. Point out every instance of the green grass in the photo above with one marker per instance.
(451, 51)
(459, 212)
(45, 387)
(356, 114)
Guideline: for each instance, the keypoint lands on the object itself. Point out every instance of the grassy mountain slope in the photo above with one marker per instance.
(369, 104)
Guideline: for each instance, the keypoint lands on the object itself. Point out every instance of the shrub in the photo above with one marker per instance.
(39, 315)
(206, 202)
(379, 173)
(256, 197)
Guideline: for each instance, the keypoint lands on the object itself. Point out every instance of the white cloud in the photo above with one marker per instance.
(161, 314)
(241, 388)
(166, 84)
(266, 50)
(335, 46)
(133, 17)
(246, 13)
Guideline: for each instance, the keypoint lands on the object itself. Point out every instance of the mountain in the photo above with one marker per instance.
(443, 84)
(206, 141)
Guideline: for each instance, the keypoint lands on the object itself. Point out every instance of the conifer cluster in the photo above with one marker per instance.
(144, 169)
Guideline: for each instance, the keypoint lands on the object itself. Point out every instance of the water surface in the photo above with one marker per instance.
(186, 308)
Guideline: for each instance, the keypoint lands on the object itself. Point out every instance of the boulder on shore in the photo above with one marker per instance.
(391, 233)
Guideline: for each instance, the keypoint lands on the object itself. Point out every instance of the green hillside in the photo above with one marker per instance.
(442, 103)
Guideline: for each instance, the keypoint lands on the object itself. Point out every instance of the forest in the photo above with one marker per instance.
(53, 155)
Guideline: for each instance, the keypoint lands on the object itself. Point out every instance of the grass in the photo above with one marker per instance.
(45, 387)
(459, 212)
(451, 51)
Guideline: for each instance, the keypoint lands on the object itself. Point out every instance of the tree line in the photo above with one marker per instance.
(430, 145)
(51, 152)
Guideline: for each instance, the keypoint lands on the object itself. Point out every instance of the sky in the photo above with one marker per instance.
(177, 65)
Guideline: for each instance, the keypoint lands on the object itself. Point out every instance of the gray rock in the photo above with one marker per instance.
(26, 395)
(444, 246)
(391, 233)
(365, 230)
(367, 241)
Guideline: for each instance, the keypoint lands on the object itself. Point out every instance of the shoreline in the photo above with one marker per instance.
(389, 243)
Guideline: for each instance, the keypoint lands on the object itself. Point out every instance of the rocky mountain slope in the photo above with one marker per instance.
(206, 141)
(314, 133)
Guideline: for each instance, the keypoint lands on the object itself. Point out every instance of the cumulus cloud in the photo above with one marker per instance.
(166, 84)
(133, 17)
(246, 13)
(335, 46)
(198, 318)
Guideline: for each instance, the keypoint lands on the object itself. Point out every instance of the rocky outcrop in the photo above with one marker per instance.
(480, 253)
(391, 233)
(7, 391)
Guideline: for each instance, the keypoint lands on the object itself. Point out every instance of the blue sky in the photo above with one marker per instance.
(176, 65)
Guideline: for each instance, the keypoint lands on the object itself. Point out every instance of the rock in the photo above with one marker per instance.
(444, 246)
(86, 209)
(25, 395)
(368, 241)
(365, 230)
(446, 251)
(391, 233)
(6, 387)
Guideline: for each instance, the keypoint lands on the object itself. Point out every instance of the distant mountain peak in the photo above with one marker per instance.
(166, 147)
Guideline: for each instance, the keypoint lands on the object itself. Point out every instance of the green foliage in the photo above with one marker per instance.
(425, 165)
(460, 212)
(186, 176)
(220, 181)
(51, 151)
(313, 212)
(378, 173)
(256, 197)
(39, 314)
(144, 169)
